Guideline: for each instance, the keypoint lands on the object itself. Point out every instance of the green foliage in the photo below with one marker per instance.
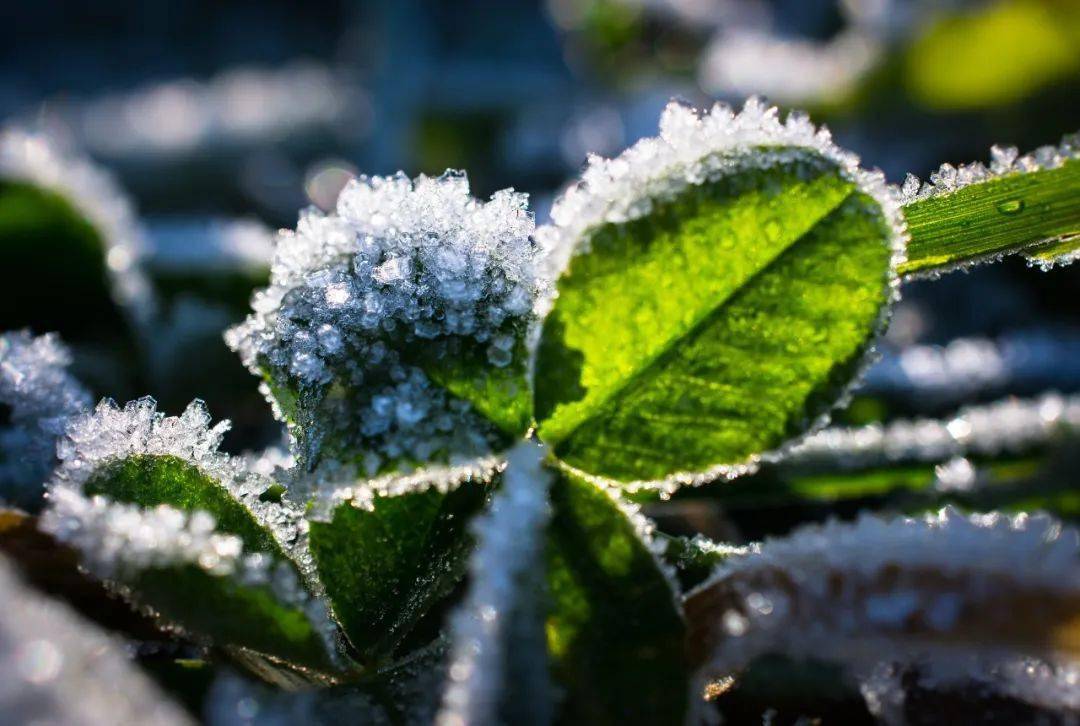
(988, 57)
(615, 633)
(38, 228)
(714, 328)
(228, 611)
(150, 480)
(385, 568)
(1005, 214)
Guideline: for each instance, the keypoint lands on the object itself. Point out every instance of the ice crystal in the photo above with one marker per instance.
(37, 159)
(692, 149)
(1007, 426)
(58, 669)
(934, 589)
(510, 540)
(40, 395)
(403, 269)
(1004, 161)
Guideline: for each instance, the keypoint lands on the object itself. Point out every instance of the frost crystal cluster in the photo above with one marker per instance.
(1004, 160)
(40, 395)
(692, 149)
(942, 587)
(405, 275)
(56, 668)
(36, 159)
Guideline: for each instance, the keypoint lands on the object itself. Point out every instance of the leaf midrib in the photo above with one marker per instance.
(672, 345)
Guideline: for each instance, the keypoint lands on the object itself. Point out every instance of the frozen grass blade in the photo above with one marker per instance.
(976, 213)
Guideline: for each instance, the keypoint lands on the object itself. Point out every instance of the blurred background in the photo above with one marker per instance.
(222, 119)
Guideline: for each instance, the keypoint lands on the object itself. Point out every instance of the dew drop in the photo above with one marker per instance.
(1011, 206)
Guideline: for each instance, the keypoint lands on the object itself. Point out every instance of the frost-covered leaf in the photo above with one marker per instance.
(389, 550)
(40, 396)
(718, 288)
(498, 661)
(393, 330)
(57, 668)
(974, 213)
(694, 558)
(66, 223)
(966, 595)
(149, 502)
(614, 626)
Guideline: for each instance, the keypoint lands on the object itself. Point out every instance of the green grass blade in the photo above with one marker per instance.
(1008, 212)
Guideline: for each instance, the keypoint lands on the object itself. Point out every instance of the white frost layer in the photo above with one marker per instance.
(36, 159)
(510, 540)
(400, 262)
(1004, 161)
(851, 592)
(326, 495)
(213, 246)
(1010, 425)
(692, 149)
(56, 668)
(41, 395)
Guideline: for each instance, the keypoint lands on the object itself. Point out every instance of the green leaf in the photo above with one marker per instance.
(995, 55)
(386, 567)
(1018, 212)
(150, 480)
(714, 328)
(615, 632)
(222, 607)
(58, 251)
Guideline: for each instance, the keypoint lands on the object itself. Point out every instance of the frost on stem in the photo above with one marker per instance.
(1004, 161)
(40, 396)
(37, 159)
(409, 290)
(58, 669)
(691, 149)
(1007, 426)
(968, 594)
(510, 540)
(119, 540)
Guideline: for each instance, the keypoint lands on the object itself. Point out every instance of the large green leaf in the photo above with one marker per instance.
(715, 327)
(1023, 211)
(384, 568)
(615, 633)
(229, 611)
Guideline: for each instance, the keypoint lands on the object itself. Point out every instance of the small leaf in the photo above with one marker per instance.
(973, 213)
(387, 558)
(615, 631)
(701, 323)
(149, 501)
